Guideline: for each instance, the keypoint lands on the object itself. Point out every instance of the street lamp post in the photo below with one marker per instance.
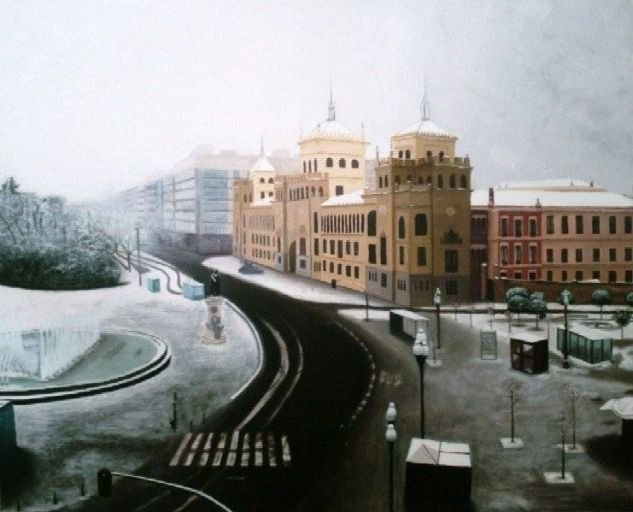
(421, 352)
(391, 435)
(566, 294)
(437, 301)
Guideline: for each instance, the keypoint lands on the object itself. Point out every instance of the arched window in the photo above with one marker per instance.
(310, 166)
(400, 154)
(312, 191)
(329, 162)
(371, 223)
(429, 156)
(315, 165)
(270, 180)
(379, 181)
(304, 166)
(463, 181)
(270, 194)
(341, 163)
(407, 154)
(354, 164)
(362, 222)
(420, 225)
(452, 182)
(440, 181)
(420, 180)
(408, 177)
(316, 224)
(320, 191)
(429, 180)
(401, 228)
(441, 156)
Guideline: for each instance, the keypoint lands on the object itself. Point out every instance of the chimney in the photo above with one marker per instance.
(491, 197)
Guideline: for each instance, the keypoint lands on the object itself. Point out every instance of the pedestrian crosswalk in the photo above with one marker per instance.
(233, 449)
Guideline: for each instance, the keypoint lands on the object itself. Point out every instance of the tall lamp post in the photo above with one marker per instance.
(566, 294)
(391, 435)
(437, 301)
(421, 352)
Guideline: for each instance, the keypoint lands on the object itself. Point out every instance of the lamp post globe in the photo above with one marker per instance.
(437, 302)
(421, 352)
(391, 413)
(391, 435)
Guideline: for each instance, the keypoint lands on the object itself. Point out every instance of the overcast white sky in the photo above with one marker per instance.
(95, 96)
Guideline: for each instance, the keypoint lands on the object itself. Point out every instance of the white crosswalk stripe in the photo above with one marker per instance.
(233, 449)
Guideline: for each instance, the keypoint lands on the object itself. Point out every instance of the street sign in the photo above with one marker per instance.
(488, 345)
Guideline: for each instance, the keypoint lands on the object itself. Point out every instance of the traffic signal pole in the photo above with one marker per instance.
(104, 486)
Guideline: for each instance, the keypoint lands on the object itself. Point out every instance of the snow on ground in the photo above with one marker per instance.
(291, 285)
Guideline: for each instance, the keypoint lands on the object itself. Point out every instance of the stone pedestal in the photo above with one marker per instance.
(214, 328)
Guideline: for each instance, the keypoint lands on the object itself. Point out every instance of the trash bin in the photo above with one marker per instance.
(153, 284)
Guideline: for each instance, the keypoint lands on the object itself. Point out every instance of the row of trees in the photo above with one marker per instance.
(44, 244)
(520, 300)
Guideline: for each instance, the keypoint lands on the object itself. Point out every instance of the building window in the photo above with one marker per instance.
(383, 280)
(383, 250)
(356, 272)
(532, 253)
(348, 270)
(339, 247)
(563, 275)
(302, 246)
(564, 225)
(316, 246)
(400, 154)
(420, 224)
(578, 255)
(612, 225)
(451, 287)
(628, 254)
(518, 275)
(550, 224)
(440, 181)
(595, 225)
(341, 163)
(421, 256)
(355, 248)
(532, 227)
(452, 182)
(372, 253)
(320, 191)
(354, 164)
(580, 227)
(550, 275)
(504, 226)
(401, 254)
(518, 254)
(596, 255)
(348, 247)
(504, 255)
(628, 276)
(324, 246)
(331, 267)
(613, 276)
(316, 222)
(463, 181)
(563, 255)
(595, 275)
(371, 223)
(578, 275)
(628, 224)
(329, 162)
(518, 227)
(338, 190)
(262, 195)
(401, 228)
(451, 261)
(332, 247)
(612, 254)
(550, 255)
(407, 154)
(379, 181)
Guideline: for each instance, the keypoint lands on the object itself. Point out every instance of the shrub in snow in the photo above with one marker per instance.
(622, 318)
(538, 307)
(601, 297)
(629, 298)
(517, 291)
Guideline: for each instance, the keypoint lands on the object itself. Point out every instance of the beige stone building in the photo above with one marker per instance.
(399, 239)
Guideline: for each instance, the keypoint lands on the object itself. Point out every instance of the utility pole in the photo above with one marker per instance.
(138, 252)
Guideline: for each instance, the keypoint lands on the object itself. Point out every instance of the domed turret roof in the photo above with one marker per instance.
(331, 126)
(425, 126)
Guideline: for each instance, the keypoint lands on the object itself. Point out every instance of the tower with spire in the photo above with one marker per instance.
(262, 174)
(334, 149)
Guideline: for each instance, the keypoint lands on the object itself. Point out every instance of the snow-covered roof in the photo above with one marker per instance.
(352, 198)
(556, 183)
(332, 128)
(548, 198)
(442, 453)
(263, 164)
(425, 127)
(621, 407)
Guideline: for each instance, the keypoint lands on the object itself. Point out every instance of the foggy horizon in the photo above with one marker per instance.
(97, 98)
